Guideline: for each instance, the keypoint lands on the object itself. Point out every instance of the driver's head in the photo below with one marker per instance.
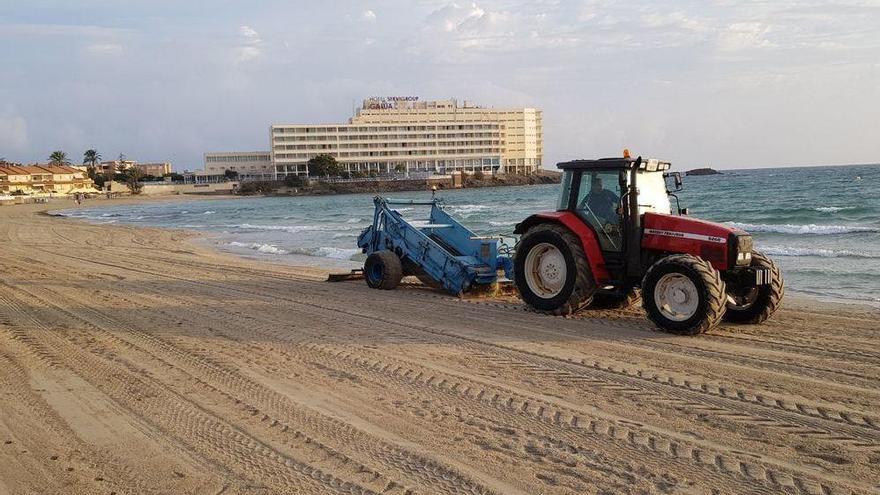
(596, 185)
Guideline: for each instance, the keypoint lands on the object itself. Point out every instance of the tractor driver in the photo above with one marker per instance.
(602, 202)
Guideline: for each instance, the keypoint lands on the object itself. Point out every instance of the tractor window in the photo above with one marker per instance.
(599, 204)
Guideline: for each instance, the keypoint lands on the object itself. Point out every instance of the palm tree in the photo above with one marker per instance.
(91, 157)
(58, 158)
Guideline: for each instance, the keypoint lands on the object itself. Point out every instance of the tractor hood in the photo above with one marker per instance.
(687, 228)
(721, 245)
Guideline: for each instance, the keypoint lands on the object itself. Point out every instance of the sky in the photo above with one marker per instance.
(729, 84)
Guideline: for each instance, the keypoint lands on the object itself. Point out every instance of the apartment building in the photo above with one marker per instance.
(522, 129)
(156, 169)
(257, 164)
(42, 179)
(391, 134)
(385, 148)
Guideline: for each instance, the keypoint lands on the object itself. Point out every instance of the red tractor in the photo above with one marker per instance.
(613, 234)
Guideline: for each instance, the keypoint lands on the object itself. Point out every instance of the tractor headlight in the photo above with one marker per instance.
(743, 250)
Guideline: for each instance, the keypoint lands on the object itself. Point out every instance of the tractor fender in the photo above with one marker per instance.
(577, 226)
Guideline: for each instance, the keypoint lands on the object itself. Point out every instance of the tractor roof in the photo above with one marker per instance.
(615, 163)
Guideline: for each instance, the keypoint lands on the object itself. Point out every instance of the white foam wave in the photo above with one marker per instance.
(803, 229)
(353, 220)
(833, 209)
(293, 229)
(503, 224)
(468, 208)
(816, 252)
(322, 252)
(209, 212)
(262, 248)
(335, 253)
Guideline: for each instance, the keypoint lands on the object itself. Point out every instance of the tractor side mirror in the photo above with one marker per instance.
(676, 179)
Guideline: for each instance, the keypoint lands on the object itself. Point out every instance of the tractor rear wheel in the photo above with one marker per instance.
(754, 305)
(683, 294)
(551, 270)
(383, 270)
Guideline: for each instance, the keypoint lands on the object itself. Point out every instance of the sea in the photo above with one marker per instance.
(820, 224)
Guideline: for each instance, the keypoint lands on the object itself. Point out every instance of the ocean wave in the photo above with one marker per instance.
(816, 252)
(334, 252)
(321, 252)
(293, 229)
(209, 212)
(803, 229)
(468, 208)
(353, 220)
(503, 224)
(262, 248)
(833, 209)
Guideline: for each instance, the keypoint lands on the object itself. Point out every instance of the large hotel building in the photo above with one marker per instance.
(397, 134)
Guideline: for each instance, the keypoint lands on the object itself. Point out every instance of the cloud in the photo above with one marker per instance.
(251, 46)
(744, 36)
(249, 33)
(110, 49)
(368, 16)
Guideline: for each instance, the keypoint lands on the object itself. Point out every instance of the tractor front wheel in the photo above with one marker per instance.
(383, 270)
(755, 304)
(551, 270)
(683, 294)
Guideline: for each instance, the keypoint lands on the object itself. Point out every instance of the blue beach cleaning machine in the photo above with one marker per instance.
(439, 251)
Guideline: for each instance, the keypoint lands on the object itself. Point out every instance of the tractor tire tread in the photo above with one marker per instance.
(584, 286)
(769, 302)
(716, 294)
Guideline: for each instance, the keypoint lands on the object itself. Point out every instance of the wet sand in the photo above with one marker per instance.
(133, 360)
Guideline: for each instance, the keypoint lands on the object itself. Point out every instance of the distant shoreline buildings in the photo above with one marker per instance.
(43, 179)
(400, 134)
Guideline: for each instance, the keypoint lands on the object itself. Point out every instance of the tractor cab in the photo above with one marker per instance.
(615, 232)
(597, 191)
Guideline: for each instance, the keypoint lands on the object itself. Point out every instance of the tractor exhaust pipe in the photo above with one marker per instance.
(634, 242)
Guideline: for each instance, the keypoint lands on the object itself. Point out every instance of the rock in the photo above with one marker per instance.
(703, 171)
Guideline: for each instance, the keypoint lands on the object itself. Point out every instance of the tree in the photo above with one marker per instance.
(133, 180)
(293, 181)
(91, 157)
(58, 158)
(230, 174)
(323, 166)
(400, 168)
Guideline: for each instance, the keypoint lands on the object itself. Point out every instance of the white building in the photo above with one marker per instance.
(402, 133)
(248, 164)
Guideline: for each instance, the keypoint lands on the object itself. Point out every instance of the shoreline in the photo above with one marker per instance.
(208, 239)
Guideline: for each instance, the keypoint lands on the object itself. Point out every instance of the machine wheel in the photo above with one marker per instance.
(753, 305)
(551, 270)
(616, 301)
(683, 294)
(383, 270)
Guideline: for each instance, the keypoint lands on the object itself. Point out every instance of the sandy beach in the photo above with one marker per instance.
(133, 360)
